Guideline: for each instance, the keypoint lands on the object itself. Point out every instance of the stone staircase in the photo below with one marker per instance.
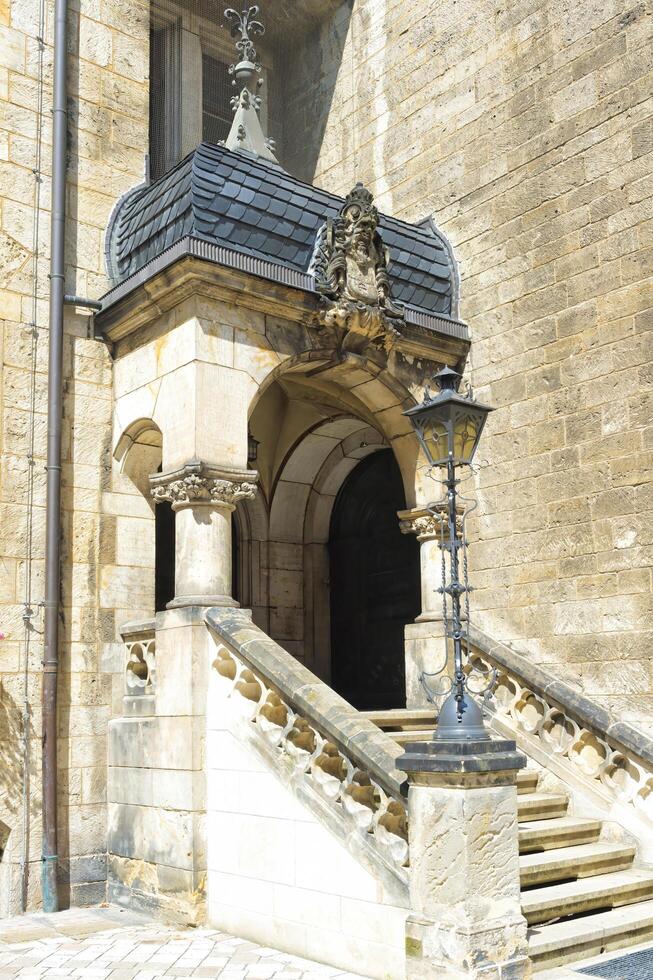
(581, 894)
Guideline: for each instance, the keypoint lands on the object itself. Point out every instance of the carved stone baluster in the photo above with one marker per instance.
(140, 669)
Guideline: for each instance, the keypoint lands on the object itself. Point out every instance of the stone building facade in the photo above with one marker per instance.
(526, 130)
(108, 104)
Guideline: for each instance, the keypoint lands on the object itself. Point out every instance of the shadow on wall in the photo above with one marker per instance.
(312, 63)
(303, 46)
(11, 787)
(11, 760)
(4, 837)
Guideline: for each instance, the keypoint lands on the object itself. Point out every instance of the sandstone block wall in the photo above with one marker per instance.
(107, 101)
(527, 129)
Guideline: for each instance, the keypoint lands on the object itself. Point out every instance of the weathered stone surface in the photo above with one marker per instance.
(464, 871)
(551, 274)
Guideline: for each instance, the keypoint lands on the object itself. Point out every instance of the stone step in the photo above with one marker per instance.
(527, 781)
(412, 735)
(569, 863)
(402, 719)
(541, 806)
(544, 835)
(577, 939)
(604, 892)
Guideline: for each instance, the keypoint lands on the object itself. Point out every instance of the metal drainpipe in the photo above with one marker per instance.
(53, 503)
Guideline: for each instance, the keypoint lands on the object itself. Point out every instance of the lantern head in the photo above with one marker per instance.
(448, 424)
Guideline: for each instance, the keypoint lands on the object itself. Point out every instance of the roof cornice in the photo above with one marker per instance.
(193, 266)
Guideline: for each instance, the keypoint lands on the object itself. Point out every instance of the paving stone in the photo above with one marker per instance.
(141, 950)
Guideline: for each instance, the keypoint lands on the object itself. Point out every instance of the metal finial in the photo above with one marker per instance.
(246, 134)
(447, 379)
(247, 26)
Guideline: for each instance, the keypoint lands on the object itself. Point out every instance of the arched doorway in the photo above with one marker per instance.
(375, 585)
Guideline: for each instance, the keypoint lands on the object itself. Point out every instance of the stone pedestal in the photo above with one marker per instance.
(203, 498)
(156, 788)
(466, 918)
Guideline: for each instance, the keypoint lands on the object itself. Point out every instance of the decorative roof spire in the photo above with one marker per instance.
(246, 132)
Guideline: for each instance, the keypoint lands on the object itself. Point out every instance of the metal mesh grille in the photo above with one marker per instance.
(191, 49)
(190, 85)
(216, 94)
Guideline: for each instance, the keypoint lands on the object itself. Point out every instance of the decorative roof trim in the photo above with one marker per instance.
(110, 257)
(246, 132)
(430, 223)
(191, 247)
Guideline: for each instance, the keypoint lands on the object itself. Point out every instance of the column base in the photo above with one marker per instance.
(450, 948)
(425, 650)
(202, 600)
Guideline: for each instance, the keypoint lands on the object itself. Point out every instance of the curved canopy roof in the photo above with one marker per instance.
(250, 205)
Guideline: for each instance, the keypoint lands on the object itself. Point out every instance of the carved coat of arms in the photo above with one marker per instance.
(350, 266)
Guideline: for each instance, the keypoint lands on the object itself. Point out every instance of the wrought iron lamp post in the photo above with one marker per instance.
(448, 426)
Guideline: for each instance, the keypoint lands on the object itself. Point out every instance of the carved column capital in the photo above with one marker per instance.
(200, 484)
(422, 522)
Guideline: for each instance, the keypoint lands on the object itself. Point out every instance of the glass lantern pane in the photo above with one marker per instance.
(465, 436)
(434, 434)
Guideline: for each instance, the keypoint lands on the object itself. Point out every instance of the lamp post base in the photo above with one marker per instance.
(461, 721)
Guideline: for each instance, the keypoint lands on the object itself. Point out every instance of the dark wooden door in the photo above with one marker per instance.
(375, 585)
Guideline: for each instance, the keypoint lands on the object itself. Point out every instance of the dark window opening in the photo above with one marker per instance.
(164, 555)
(165, 95)
(217, 92)
(235, 559)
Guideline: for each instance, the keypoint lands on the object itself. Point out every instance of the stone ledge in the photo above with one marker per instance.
(493, 756)
(136, 628)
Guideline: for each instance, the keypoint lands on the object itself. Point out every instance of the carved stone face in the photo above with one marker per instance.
(360, 226)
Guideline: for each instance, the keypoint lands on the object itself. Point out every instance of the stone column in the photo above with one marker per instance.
(466, 918)
(426, 526)
(425, 643)
(203, 498)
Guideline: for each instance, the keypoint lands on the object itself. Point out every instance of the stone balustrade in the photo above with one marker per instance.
(140, 668)
(317, 743)
(569, 734)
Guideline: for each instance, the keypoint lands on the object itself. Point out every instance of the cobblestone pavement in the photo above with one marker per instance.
(112, 943)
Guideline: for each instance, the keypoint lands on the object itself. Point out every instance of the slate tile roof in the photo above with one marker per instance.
(252, 206)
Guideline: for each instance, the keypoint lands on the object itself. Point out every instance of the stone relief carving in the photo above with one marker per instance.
(198, 484)
(350, 266)
(563, 742)
(425, 526)
(429, 522)
(140, 670)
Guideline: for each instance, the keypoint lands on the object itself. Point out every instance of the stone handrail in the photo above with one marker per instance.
(612, 756)
(347, 760)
